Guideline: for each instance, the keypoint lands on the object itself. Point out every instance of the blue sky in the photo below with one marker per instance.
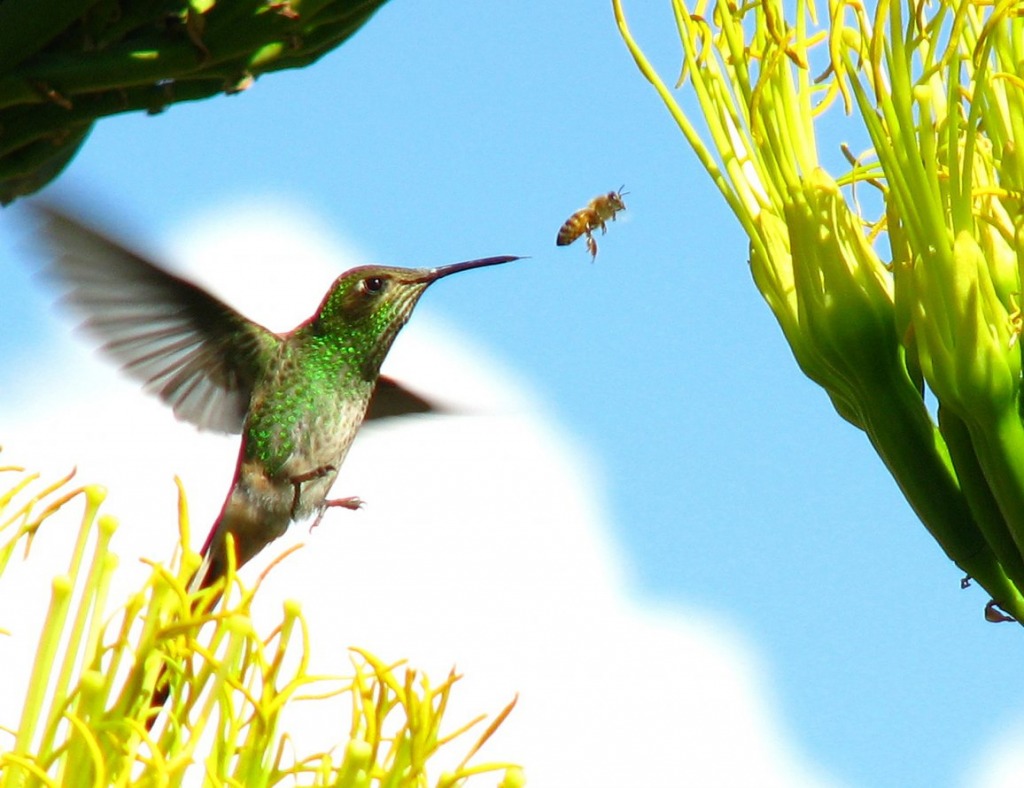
(458, 130)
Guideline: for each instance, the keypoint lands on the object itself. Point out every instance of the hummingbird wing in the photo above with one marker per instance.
(195, 352)
(390, 398)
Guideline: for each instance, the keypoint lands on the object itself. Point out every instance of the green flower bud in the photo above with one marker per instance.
(964, 331)
(844, 292)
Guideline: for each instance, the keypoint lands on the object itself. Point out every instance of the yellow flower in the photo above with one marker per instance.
(87, 710)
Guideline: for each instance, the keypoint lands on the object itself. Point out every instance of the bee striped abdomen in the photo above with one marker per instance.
(574, 227)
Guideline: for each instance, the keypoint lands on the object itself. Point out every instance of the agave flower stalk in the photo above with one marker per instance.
(940, 99)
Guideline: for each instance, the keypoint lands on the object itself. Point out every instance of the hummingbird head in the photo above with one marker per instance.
(367, 306)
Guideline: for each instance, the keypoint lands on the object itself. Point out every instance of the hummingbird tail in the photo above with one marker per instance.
(214, 567)
(251, 529)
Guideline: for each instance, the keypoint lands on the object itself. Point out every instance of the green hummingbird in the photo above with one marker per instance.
(297, 399)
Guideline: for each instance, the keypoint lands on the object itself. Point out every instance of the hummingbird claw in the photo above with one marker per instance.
(354, 503)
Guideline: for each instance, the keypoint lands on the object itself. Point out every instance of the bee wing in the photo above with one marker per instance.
(197, 354)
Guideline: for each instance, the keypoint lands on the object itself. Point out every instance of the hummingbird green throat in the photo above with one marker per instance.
(297, 399)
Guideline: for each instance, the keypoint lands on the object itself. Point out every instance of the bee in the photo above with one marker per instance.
(584, 222)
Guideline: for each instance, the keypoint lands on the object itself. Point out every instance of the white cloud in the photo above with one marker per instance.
(483, 545)
(1001, 763)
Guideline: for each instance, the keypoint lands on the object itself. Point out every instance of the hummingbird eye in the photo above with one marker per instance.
(372, 285)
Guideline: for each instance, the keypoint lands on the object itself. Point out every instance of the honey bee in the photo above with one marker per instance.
(584, 222)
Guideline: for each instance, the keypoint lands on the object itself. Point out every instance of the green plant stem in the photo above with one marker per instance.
(999, 444)
(915, 454)
(145, 60)
(979, 495)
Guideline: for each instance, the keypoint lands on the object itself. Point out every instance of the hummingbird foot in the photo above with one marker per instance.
(300, 479)
(354, 503)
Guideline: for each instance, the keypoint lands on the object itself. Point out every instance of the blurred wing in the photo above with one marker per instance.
(390, 398)
(196, 353)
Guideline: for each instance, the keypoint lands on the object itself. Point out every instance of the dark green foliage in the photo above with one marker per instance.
(65, 63)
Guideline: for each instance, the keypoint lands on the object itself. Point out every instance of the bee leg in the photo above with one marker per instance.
(591, 247)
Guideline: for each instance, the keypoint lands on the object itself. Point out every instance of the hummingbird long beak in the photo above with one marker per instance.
(434, 274)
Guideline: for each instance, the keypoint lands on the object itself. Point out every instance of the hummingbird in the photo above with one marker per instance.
(297, 399)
